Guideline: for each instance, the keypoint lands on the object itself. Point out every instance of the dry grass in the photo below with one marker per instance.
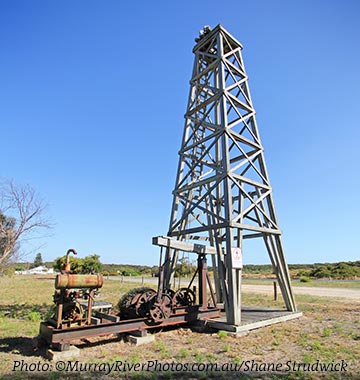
(328, 331)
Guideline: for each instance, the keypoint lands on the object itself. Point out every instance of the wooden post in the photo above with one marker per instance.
(59, 311)
(90, 305)
(275, 291)
(202, 267)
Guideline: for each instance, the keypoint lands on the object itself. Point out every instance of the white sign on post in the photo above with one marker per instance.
(236, 258)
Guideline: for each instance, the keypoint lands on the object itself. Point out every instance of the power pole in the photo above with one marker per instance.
(222, 193)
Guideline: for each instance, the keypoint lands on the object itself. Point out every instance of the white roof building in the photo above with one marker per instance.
(38, 270)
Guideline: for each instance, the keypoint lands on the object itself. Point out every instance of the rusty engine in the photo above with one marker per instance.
(74, 296)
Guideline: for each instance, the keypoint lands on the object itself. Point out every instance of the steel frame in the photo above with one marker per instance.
(59, 337)
(222, 193)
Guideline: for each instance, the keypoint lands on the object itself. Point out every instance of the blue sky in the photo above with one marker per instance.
(92, 98)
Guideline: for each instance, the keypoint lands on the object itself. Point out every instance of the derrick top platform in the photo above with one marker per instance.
(208, 34)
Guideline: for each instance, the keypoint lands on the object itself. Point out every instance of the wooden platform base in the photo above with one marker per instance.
(253, 318)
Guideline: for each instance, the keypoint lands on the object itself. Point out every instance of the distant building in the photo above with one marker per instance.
(38, 270)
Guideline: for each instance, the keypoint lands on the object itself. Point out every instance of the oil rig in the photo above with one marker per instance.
(222, 199)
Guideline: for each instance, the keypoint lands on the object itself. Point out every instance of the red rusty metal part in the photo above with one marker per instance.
(74, 281)
(182, 316)
(67, 266)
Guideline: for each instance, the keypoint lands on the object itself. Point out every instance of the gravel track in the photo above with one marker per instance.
(342, 293)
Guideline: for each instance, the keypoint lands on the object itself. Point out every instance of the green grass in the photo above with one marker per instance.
(222, 334)
(226, 347)
(183, 353)
(163, 350)
(199, 356)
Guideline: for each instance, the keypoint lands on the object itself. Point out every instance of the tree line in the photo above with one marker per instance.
(186, 268)
(338, 271)
(23, 217)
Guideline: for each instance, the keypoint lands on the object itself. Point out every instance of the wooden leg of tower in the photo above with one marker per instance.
(202, 267)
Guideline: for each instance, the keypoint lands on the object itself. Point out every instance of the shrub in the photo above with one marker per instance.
(305, 279)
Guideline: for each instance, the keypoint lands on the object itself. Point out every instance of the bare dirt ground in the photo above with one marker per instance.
(349, 294)
(340, 293)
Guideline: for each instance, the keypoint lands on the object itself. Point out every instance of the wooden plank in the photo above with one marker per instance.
(95, 321)
(250, 181)
(252, 236)
(108, 317)
(256, 228)
(253, 320)
(166, 241)
(189, 231)
(215, 178)
(244, 140)
(97, 305)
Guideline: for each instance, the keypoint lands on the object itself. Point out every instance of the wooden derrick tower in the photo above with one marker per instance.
(222, 193)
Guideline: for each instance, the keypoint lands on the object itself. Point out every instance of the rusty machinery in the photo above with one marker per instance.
(71, 290)
(77, 317)
(157, 306)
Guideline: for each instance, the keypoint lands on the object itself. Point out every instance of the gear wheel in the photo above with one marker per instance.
(133, 304)
(183, 297)
(160, 309)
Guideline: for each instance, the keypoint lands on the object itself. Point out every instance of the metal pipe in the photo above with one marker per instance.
(67, 267)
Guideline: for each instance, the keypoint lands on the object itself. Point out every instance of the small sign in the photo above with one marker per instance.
(236, 258)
